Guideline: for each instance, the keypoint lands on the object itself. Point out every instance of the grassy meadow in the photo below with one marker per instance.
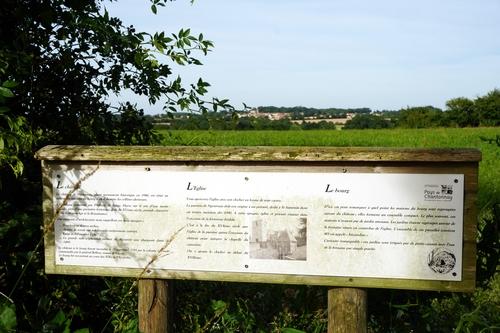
(489, 171)
(436, 137)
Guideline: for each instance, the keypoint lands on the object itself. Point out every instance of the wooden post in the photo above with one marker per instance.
(155, 310)
(346, 310)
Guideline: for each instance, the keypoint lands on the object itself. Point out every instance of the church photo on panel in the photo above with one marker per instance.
(280, 240)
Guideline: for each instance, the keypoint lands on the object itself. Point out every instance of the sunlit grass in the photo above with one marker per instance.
(439, 137)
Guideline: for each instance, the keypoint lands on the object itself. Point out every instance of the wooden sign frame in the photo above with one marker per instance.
(329, 159)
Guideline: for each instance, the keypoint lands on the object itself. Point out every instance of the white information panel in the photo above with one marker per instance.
(309, 223)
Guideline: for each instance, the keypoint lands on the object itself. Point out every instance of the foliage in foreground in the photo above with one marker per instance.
(227, 307)
(59, 61)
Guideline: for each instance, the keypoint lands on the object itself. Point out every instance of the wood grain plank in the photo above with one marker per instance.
(264, 153)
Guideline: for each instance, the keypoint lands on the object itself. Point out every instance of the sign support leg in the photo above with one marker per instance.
(347, 310)
(155, 310)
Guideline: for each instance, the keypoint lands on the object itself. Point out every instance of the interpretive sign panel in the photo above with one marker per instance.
(334, 224)
(330, 224)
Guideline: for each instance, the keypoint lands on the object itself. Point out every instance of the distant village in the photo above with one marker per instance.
(303, 118)
(268, 116)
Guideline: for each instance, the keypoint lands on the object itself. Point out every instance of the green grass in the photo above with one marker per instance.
(439, 137)
(489, 171)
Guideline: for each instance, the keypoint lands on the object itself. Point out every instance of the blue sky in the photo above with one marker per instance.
(385, 54)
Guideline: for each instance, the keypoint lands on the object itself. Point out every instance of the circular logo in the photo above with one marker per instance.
(441, 260)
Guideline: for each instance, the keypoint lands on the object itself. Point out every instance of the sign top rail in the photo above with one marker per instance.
(255, 153)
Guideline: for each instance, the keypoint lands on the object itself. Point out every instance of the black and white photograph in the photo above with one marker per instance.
(279, 240)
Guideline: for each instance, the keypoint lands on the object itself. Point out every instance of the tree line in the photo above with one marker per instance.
(459, 112)
(233, 121)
